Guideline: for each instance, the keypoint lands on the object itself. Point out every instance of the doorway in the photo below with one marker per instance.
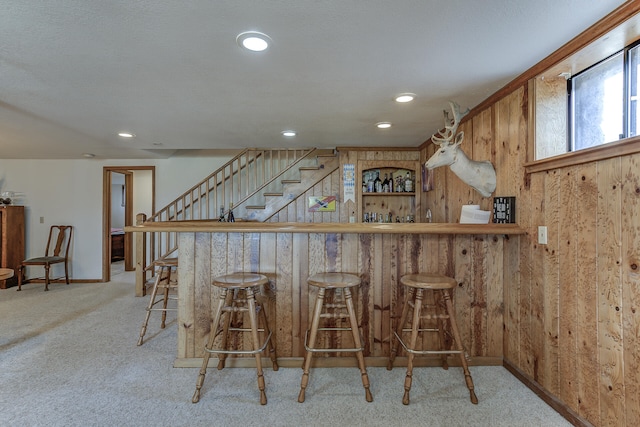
(136, 194)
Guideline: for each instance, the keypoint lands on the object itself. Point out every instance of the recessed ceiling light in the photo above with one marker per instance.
(288, 133)
(405, 97)
(126, 135)
(254, 41)
(383, 125)
(88, 155)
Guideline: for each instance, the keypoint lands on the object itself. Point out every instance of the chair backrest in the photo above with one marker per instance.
(61, 235)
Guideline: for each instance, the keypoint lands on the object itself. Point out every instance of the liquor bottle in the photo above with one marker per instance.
(391, 184)
(370, 185)
(230, 217)
(408, 183)
(221, 218)
(377, 183)
(385, 183)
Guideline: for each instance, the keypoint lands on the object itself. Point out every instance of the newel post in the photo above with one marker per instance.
(141, 257)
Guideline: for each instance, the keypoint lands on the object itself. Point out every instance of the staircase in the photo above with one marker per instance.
(259, 183)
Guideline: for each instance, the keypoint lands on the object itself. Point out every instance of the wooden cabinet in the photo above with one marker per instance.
(117, 246)
(11, 241)
(397, 205)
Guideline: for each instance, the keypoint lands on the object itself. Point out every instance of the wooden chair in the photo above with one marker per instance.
(56, 253)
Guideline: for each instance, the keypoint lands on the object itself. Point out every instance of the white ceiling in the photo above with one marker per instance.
(73, 73)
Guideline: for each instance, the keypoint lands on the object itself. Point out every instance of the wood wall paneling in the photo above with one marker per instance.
(609, 275)
(587, 360)
(631, 286)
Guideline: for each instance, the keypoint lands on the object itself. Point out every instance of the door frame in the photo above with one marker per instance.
(106, 213)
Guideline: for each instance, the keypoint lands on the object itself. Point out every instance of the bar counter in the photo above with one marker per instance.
(482, 257)
(197, 226)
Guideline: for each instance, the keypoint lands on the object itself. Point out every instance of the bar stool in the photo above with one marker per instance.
(163, 281)
(241, 300)
(442, 286)
(334, 281)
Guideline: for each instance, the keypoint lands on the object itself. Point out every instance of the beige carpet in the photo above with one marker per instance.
(68, 357)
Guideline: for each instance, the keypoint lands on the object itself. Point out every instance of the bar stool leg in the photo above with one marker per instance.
(415, 325)
(253, 320)
(399, 328)
(438, 303)
(315, 321)
(228, 319)
(152, 299)
(271, 348)
(212, 337)
(166, 299)
(358, 344)
(456, 337)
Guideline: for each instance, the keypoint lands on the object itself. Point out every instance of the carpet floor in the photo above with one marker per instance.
(68, 357)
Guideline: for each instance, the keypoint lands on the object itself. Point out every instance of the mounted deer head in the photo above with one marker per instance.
(479, 175)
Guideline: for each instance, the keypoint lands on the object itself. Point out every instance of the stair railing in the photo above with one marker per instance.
(234, 182)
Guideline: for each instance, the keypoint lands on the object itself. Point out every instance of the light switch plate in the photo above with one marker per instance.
(542, 235)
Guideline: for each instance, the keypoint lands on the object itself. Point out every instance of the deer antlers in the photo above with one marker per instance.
(450, 126)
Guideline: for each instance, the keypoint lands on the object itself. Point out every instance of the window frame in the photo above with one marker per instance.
(626, 99)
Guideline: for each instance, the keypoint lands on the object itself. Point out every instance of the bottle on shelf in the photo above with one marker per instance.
(391, 184)
(385, 183)
(230, 217)
(399, 184)
(408, 183)
(370, 184)
(377, 183)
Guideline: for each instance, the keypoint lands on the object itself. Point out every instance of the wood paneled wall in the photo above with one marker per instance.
(571, 307)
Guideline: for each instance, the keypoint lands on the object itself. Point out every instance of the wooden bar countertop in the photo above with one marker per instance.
(198, 226)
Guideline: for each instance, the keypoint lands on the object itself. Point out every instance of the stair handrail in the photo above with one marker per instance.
(158, 244)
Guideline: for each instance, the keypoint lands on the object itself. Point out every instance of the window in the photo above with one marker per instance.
(603, 101)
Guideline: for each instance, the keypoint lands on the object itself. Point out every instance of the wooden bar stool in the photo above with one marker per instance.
(241, 300)
(334, 281)
(442, 286)
(165, 282)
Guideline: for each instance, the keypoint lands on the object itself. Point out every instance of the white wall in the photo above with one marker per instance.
(70, 192)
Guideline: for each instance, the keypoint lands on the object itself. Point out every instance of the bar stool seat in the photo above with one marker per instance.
(165, 282)
(341, 308)
(442, 287)
(240, 301)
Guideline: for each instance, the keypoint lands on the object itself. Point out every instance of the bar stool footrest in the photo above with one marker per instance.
(331, 350)
(412, 351)
(259, 350)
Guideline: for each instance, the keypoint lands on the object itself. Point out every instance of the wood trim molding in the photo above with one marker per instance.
(601, 152)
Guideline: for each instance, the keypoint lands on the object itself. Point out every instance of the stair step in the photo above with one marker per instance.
(274, 194)
(309, 168)
(255, 207)
(326, 152)
(291, 181)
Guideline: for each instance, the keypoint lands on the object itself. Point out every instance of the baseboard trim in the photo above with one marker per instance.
(550, 399)
(61, 281)
(331, 362)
